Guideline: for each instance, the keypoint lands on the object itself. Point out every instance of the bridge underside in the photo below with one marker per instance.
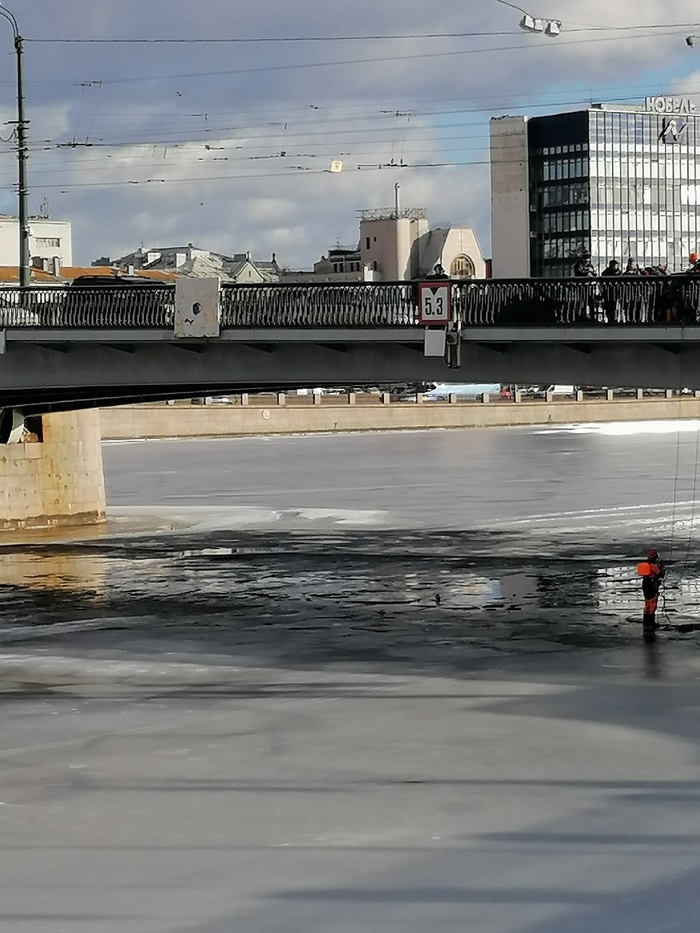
(50, 370)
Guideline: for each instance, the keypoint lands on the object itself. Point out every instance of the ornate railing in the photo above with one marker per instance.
(358, 304)
(489, 302)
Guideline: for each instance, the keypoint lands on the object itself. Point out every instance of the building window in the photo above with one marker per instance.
(366, 242)
(47, 241)
(462, 268)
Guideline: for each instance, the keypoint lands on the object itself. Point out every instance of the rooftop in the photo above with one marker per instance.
(391, 213)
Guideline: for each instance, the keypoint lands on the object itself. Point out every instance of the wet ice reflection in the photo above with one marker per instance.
(318, 594)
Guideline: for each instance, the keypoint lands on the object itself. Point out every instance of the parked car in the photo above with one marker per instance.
(18, 317)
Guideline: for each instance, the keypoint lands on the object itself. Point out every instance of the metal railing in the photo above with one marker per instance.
(360, 304)
(488, 302)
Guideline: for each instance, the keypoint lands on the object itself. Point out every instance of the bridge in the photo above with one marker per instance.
(72, 347)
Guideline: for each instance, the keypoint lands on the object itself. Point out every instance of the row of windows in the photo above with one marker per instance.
(47, 241)
(648, 251)
(346, 266)
(639, 128)
(561, 150)
(565, 222)
(679, 200)
(563, 247)
(639, 220)
(563, 195)
(647, 167)
(563, 169)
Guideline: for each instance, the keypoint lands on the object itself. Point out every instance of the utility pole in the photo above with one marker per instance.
(22, 189)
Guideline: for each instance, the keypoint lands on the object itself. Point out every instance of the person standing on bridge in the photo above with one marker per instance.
(693, 264)
(583, 269)
(438, 272)
(610, 293)
(652, 572)
(636, 306)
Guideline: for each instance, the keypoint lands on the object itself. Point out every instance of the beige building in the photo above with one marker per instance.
(398, 245)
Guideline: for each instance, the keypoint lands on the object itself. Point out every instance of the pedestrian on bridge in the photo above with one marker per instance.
(610, 299)
(583, 269)
(636, 311)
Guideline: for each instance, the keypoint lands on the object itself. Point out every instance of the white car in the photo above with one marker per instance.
(18, 317)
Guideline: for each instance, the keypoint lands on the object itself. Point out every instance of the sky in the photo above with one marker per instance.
(225, 136)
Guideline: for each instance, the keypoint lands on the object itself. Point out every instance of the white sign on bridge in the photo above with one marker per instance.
(434, 302)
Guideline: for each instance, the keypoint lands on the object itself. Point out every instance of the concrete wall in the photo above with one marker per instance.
(154, 421)
(57, 482)
(510, 197)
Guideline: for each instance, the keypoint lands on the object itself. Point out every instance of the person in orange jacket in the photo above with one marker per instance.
(652, 572)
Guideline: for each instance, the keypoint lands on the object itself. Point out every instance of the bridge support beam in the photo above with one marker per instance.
(57, 480)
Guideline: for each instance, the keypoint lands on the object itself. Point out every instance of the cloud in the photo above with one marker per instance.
(242, 134)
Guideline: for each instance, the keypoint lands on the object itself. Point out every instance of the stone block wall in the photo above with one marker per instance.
(58, 481)
(162, 421)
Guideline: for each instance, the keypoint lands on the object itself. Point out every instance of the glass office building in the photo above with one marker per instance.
(619, 182)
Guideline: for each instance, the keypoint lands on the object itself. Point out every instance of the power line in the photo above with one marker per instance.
(346, 113)
(294, 173)
(289, 132)
(243, 40)
(297, 66)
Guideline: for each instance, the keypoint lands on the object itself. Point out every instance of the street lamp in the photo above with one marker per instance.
(22, 192)
(529, 23)
(550, 27)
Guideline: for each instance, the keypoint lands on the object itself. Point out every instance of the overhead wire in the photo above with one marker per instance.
(159, 137)
(242, 40)
(620, 92)
(258, 69)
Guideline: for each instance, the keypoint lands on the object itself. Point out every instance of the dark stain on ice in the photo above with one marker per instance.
(356, 595)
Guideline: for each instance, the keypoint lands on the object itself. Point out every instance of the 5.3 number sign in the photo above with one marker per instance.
(434, 303)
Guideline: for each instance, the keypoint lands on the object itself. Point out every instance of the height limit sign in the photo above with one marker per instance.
(434, 302)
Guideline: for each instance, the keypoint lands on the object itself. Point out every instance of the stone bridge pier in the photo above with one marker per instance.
(53, 476)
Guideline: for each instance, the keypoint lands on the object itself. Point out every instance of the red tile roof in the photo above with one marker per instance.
(9, 275)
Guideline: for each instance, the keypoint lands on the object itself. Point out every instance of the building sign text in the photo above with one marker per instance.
(669, 105)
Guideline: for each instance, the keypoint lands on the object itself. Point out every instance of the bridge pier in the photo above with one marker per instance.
(56, 479)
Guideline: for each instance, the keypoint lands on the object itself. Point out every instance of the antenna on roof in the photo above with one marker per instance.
(44, 209)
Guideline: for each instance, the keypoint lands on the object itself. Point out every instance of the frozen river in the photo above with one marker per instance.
(385, 682)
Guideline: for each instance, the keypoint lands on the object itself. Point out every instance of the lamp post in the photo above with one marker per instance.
(530, 23)
(22, 191)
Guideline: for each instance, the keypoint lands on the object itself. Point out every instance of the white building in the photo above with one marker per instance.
(48, 239)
